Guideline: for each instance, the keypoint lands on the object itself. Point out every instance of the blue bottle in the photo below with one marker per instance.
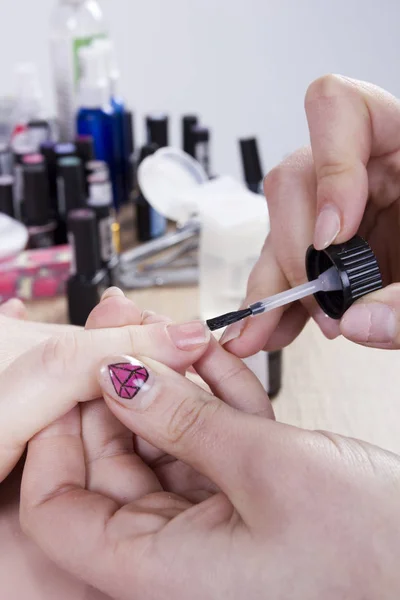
(97, 117)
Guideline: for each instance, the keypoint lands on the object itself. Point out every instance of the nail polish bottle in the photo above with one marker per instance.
(85, 152)
(201, 142)
(48, 152)
(37, 208)
(157, 129)
(101, 202)
(7, 195)
(70, 193)
(88, 281)
(188, 122)
(149, 223)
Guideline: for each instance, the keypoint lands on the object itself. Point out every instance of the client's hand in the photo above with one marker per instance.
(34, 390)
(278, 512)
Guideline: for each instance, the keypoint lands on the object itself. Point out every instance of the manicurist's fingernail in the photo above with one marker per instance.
(111, 293)
(128, 381)
(189, 336)
(370, 323)
(327, 227)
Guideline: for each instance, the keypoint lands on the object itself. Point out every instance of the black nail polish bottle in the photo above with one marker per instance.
(201, 142)
(85, 152)
(157, 130)
(188, 123)
(7, 195)
(88, 281)
(37, 208)
(149, 223)
(70, 192)
(101, 202)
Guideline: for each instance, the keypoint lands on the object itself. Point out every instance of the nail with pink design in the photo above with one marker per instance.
(127, 381)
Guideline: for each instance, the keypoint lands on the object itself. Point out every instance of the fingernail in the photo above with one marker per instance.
(111, 293)
(146, 314)
(232, 332)
(189, 336)
(327, 227)
(370, 323)
(128, 381)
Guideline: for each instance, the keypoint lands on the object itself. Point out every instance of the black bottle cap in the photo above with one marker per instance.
(85, 148)
(82, 226)
(188, 122)
(7, 195)
(71, 188)
(251, 161)
(157, 130)
(200, 134)
(147, 150)
(36, 195)
(358, 270)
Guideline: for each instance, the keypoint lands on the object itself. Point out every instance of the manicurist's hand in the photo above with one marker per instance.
(239, 506)
(34, 388)
(347, 182)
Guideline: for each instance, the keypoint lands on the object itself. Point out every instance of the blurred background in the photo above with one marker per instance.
(243, 64)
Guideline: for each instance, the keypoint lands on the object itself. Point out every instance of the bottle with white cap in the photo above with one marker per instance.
(74, 24)
(96, 116)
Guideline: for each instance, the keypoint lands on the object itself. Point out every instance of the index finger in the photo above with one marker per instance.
(349, 121)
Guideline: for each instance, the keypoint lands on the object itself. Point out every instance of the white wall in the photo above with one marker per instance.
(243, 64)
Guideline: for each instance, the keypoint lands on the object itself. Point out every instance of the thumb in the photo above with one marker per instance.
(185, 421)
(375, 320)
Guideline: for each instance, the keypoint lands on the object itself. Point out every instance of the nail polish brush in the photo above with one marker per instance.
(338, 276)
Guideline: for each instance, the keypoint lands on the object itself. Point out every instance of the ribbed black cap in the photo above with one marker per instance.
(7, 195)
(251, 161)
(358, 269)
(85, 148)
(188, 122)
(71, 183)
(157, 130)
(37, 205)
(82, 225)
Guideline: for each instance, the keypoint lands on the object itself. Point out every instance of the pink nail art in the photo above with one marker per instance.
(127, 379)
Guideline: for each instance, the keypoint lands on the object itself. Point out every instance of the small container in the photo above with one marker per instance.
(157, 129)
(7, 195)
(37, 207)
(149, 223)
(188, 123)
(88, 281)
(101, 202)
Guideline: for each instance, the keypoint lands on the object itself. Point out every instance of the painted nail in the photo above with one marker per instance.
(371, 323)
(127, 381)
(111, 293)
(327, 227)
(232, 332)
(189, 336)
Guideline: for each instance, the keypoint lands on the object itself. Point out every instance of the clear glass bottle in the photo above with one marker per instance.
(74, 24)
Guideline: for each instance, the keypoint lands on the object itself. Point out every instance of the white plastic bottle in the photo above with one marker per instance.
(74, 24)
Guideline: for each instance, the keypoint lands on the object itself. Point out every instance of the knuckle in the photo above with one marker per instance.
(59, 354)
(325, 87)
(190, 418)
(292, 168)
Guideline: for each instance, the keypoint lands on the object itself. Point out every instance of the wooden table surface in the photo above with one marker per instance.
(336, 386)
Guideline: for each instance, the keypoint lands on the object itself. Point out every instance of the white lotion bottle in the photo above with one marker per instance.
(74, 24)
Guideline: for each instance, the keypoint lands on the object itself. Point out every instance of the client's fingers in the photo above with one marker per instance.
(15, 309)
(47, 381)
(112, 467)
